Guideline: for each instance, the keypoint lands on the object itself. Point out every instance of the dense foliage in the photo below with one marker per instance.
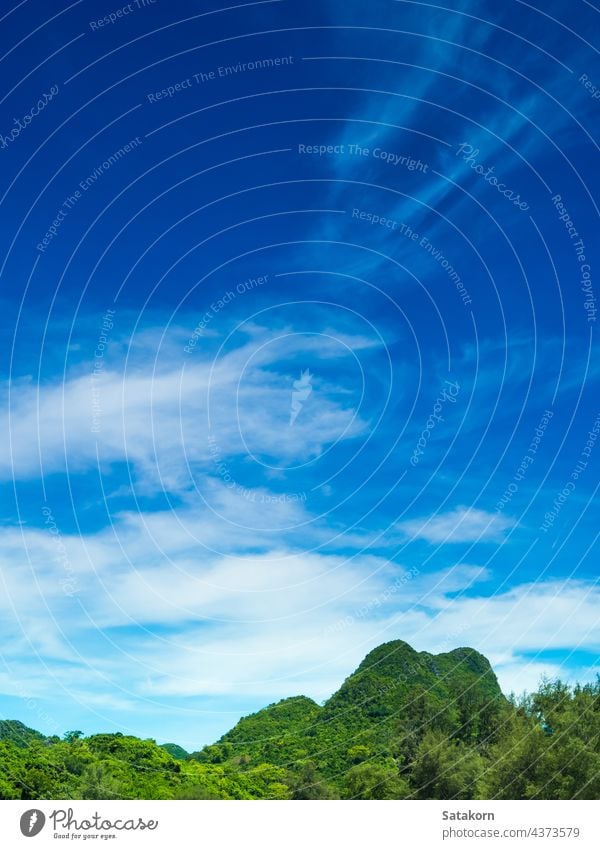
(404, 725)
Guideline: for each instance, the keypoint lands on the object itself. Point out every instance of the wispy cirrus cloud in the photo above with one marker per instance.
(463, 524)
(160, 416)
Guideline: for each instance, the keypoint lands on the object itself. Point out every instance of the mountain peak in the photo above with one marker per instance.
(394, 652)
(394, 687)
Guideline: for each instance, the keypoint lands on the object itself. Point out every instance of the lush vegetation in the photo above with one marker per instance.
(405, 725)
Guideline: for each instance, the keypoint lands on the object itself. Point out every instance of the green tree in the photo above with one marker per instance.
(358, 754)
(375, 781)
(446, 769)
(550, 749)
(308, 784)
(97, 782)
(72, 736)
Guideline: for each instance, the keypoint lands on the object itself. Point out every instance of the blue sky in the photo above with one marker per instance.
(298, 353)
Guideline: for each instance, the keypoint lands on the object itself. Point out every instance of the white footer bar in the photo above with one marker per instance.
(301, 825)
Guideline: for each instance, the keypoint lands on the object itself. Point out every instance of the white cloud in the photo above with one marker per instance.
(157, 616)
(305, 655)
(524, 676)
(464, 524)
(158, 416)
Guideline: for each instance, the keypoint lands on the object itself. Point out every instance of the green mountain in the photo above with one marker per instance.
(404, 725)
(379, 711)
(13, 731)
(177, 752)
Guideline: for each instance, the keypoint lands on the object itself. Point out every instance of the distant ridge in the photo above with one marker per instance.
(16, 732)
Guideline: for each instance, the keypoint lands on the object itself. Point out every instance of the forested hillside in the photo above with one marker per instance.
(406, 724)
